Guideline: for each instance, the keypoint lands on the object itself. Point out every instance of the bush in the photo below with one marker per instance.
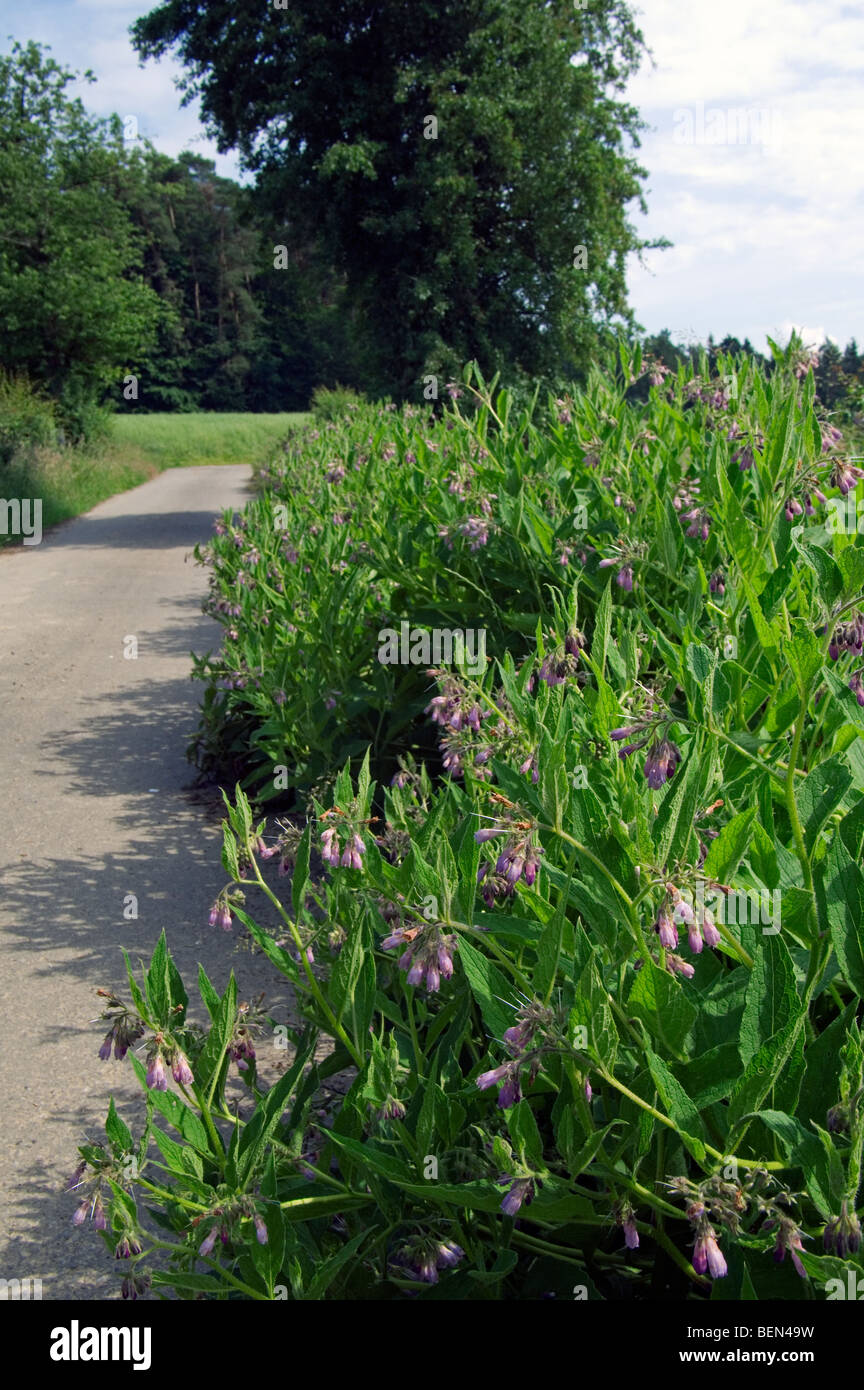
(26, 417)
(593, 996)
(330, 403)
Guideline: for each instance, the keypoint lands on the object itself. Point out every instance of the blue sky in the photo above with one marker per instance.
(756, 116)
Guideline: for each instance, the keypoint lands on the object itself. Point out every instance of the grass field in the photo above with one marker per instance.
(180, 441)
(71, 481)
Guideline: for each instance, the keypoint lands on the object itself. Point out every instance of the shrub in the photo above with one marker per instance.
(331, 403)
(26, 417)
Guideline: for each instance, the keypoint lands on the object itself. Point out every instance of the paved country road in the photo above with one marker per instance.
(92, 808)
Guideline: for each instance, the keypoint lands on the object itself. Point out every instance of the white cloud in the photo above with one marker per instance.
(753, 221)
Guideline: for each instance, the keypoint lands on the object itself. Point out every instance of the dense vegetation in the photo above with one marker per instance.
(590, 973)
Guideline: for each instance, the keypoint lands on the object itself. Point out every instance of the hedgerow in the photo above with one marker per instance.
(589, 971)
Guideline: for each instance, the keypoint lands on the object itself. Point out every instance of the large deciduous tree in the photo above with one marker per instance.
(452, 157)
(75, 311)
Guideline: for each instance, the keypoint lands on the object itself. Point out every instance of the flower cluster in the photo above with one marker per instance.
(517, 859)
(424, 1256)
(125, 1028)
(456, 710)
(160, 1050)
(249, 1021)
(725, 1202)
(625, 1217)
(700, 523)
(474, 529)
(455, 707)
(663, 756)
(842, 1235)
(676, 911)
(846, 476)
(349, 856)
(533, 1033)
(98, 1169)
(847, 637)
(220, 913)
(624, 575)
(563, 662)
(521, 1192)
(427, 955)
(227, 1216)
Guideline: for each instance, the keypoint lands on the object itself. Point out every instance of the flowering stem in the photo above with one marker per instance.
(418, 1054)
(314, 986)
(203, 1105)
(607, 873)
(213, 1264)
(160, 1192)
(680, 1260)
(670, 1124)
(545, 1247)
(792, 809)
(739, 951)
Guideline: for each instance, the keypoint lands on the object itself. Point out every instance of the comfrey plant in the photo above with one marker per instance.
(530, 1042)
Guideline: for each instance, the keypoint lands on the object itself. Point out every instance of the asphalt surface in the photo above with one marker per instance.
(94, 807)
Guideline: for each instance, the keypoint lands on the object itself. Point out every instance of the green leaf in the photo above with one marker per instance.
(505, 1263)
(526, 1135)
(764, 1069)
(840, 904)
(820, 1088)
(771, 998)
(602, 629)
(730, 846)
(674, 824)
(592, 1012)
(178, 1113)
(702, 663)
(212, 1062)
(331, 1267)
(183, 1160)
(549, 951)
(678, 1106)
(660, 1002)
(489, 987)
(711, 1075)
(230, 861)
(820, 793)
(851, 564)
(267, 1259)
(468, 861)
(207, 992)
(158, 989)
(135, 990)
(268, 1112)
(116, 1130)
(828, 576)
(804, 1150)
(763, 857)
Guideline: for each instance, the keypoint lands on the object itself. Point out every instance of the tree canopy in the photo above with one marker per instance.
(467, 165)
(75, 308)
